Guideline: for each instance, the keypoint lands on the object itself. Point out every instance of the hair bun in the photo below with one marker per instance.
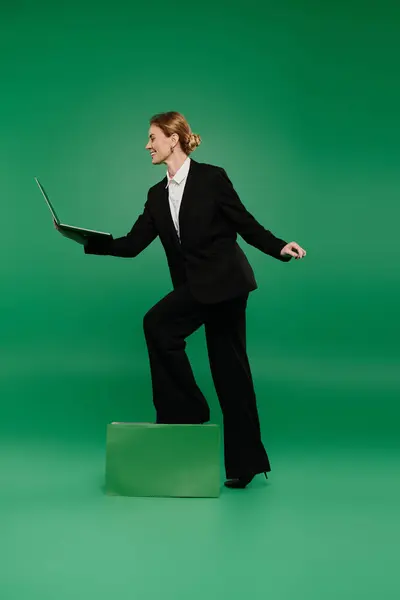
(195, 139)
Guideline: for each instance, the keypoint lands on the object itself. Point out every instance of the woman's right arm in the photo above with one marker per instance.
(140, 236)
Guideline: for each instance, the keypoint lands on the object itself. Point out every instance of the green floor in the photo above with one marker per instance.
(322, 527)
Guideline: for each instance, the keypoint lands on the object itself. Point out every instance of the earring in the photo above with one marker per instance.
(172, 148)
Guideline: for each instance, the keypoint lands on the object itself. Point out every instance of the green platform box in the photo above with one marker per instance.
(148, 459)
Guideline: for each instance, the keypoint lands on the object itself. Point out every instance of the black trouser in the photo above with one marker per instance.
(176, 396)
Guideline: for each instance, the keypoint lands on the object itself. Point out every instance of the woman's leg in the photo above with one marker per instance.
(226, 343)
(176, 395)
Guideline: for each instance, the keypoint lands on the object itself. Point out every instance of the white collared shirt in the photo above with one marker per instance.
(176, 185)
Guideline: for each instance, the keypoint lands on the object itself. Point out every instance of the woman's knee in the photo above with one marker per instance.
(161, 334)
(150, 323)
(153, 328)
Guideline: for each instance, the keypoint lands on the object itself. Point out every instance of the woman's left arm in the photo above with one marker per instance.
(248, 227)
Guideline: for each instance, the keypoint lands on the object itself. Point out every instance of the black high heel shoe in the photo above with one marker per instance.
(241, 482)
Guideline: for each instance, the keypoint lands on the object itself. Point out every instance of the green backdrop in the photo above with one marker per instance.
(298, 101)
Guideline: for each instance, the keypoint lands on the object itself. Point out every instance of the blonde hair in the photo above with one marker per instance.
(174, 122)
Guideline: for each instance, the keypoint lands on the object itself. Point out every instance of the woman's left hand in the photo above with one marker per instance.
(293, 249)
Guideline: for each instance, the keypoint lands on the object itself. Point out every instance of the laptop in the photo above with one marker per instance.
(63, 226)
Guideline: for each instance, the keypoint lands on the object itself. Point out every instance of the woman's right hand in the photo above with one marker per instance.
(72, 235)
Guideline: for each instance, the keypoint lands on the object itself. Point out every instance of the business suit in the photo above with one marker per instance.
(211, 279)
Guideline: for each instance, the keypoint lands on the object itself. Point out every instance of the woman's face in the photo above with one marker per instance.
(159, 144)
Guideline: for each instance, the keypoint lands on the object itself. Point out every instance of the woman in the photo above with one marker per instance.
(197, 214)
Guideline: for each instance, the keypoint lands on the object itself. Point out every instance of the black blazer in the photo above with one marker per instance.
(208, 256)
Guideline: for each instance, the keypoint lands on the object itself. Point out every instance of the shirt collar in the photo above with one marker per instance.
(181, 172)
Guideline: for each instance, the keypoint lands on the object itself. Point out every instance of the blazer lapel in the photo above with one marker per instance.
(185, 202)
(187, 193)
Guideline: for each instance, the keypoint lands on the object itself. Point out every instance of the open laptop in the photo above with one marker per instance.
(63, 226)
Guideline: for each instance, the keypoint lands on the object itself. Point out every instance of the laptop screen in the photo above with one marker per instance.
(53, 212)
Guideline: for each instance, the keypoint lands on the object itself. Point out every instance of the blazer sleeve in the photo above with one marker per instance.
(139, 237)
(246, 225)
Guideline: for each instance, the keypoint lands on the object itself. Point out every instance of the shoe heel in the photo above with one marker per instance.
(266, 476)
